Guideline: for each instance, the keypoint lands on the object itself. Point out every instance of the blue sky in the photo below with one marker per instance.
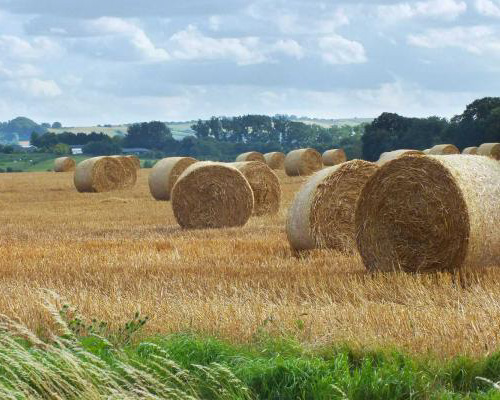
(113, 61)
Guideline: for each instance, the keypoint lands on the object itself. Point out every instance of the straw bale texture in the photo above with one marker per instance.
(489, 149)
(165, 173)
(212, 195)
(470, 150)
(136, 161)
(334, 157)
(64, 164)
(265, 186)
(391, 155)
(431, 213)
(251, 156)
(322, 213)
(275, 160)
(443, 149)
(129, 172)
(303, 162)
(99, 174)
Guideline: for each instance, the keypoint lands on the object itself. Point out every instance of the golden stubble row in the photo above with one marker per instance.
(112, 254)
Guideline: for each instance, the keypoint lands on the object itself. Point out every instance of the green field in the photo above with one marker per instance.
(37, 162)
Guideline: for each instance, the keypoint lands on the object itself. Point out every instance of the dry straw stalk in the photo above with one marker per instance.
(265, 186)
(164, 175)
(303, 162)
(489, 149)
(392, 155)
(64, 164)
(431, 213)
(334, 157)
(212, 195)
(275, 160)
(99, 174)
(443, 149)
(322, 214)
(251, 156)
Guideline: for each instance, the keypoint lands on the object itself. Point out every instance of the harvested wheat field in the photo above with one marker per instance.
(112, 254)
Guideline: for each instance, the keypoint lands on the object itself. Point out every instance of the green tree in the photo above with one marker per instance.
(150, 135)
(61, 149)
(102, 148)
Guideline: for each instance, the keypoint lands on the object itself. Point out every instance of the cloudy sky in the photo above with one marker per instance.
(112, 61)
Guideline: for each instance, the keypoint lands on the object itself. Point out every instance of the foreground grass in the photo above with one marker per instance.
(191, 367)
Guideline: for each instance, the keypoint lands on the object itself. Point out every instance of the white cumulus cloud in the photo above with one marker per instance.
(139, 42)
(474, 39)
(336, 49)
(18, 48)
(445, 9)
(489, 8)
(39, 87)
(191, 44)
(289, 47)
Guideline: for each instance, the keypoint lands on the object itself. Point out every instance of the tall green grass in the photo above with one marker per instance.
(84, 363)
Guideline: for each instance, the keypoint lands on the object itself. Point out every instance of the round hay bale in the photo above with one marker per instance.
(265, 186)
(322, 213)
(251, 156)
(99, 174)
(303, 162)
(212, 195)
(426, 151)
(129, 172)
(135, 160)
(470, 150)
(392, 155)
(275, 160)
(489, 149)
(424, 214)
(64, 164)
(334, 157)
(164, 175)
(443, 149)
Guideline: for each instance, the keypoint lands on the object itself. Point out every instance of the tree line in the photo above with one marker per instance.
(479, 123)
(222, 138)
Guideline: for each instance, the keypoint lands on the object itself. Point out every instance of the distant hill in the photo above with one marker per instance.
(19, 128)
(179, 129)
(333, 122)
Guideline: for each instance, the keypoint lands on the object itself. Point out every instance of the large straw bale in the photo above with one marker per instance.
(99, 174)
(303, 162)
(130, 172)
(265, 186)
(164, 175)
(470, 151)
(334, 157)
(322, 214)
(391, 155)
(427, 151)
(431, 213)
(136, 161)
(443, 149)
(251, 156)
(212, 195)
(275, 160)
(64, 164)
(489, 149)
